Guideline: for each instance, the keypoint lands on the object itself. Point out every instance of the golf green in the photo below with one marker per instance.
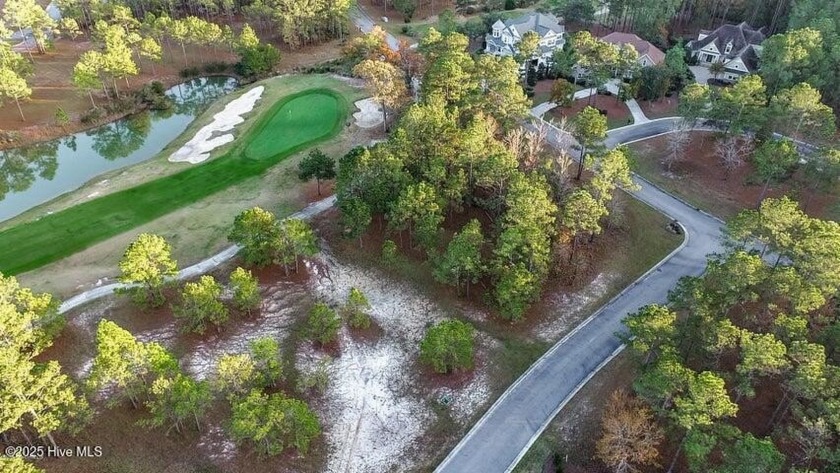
(293, 123)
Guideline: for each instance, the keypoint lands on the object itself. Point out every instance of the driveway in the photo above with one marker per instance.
(701, 74)
(503, 435)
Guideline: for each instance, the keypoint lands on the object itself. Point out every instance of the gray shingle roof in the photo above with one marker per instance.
(542, 23)
(742, 37)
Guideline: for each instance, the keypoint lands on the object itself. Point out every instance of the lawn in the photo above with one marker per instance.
(542, 91)
(291, 124)
(618, 115)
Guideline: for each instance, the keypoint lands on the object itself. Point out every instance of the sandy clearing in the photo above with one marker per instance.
(571, 307)
(374, 415)
(198, 148)
(369, 114)
(280, 309)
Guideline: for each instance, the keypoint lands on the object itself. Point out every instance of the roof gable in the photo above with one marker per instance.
(644, 48)
(742, 36)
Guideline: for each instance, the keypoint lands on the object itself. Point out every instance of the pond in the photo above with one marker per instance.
(35, 174)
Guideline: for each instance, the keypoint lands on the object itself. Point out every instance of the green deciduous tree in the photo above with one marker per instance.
(13, 87)
(86, 73)
(147, 262)
(749, 454)
(589, 128)
(799, 111)
(235, 374)
(246, 290)
(743, 105)
(385, 82)
(649, 330)
(265, 352)
(255, 230)
(316, 165)
(775, 160)
(694, 99)
(176, 399)
(201, 305)
(355, 217)
(123, 363)
(356, 309)
(448, 346)
(792, 57)
(461, 263)
(581, 214)
(273, 422)
(562, 92)
(323, 324)
(17, 465)
(295, 239)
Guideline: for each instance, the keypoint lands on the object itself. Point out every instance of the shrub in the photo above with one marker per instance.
(216, 67)
(448, 346)
(61, 117)
(389, 253)
(92, 116)
(323, 324)
(190, 72)
(356, 309)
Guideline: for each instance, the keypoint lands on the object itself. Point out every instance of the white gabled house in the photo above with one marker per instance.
(504, 35)
(738, 47)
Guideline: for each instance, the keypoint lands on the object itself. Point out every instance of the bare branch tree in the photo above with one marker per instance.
(677, 141)
(631, 435)
(731, 152)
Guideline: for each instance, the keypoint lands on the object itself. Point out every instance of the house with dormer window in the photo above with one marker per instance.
(738, 47)
(504, 36)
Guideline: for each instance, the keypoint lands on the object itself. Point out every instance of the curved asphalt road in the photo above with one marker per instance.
(503, 435)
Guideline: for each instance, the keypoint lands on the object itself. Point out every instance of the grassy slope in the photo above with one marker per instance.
(316, 115)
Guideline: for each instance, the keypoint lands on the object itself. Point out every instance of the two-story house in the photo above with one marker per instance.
(738, 47)
(504, 36)
(649, 55)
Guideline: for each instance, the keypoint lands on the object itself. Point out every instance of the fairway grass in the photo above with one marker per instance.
(293, 123)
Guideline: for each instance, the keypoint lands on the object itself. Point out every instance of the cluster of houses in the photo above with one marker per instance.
(737, 47)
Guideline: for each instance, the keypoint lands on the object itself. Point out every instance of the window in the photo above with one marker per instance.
(728, 48)
(550, 43)
(497, 32)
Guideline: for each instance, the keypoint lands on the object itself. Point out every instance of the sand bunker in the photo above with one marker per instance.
(370, 114)
(198, 149)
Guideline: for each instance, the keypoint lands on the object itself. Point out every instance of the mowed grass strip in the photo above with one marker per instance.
(293, 123)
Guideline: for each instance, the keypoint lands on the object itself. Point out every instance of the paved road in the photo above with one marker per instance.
(197, 269)
(503, 435)
(365, 23)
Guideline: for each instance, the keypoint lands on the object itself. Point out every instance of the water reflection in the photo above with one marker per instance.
(20, 167)
(35, 174)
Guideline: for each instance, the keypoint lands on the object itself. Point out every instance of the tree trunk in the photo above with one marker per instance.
(677, 453)
(90, 94)
(580, 163)
(17, 102)
(318, 183)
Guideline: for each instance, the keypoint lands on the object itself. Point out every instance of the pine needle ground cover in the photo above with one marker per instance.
(293, 123)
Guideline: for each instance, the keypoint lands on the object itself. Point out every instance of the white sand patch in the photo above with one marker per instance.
(569, 308)
(374, 416)
(467, 399)
(372, 420)
(198, 149)
(215, 443)
(280, 309)
(369, 114)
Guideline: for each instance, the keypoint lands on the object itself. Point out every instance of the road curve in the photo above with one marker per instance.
(504, 434)
(197, 269)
